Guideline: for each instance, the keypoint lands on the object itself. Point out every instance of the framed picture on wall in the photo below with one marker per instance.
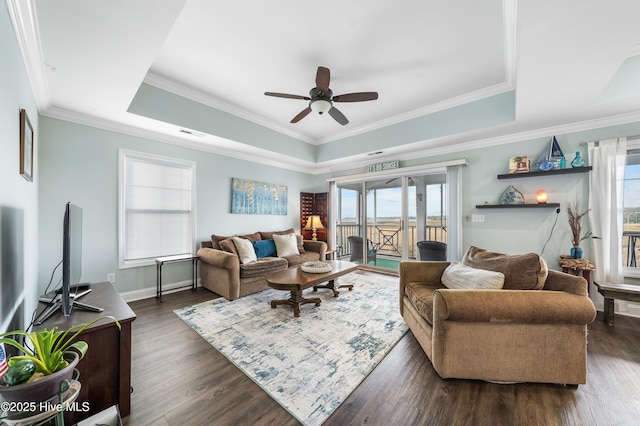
(26, 146)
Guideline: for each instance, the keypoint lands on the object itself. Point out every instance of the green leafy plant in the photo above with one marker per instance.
(49, 346)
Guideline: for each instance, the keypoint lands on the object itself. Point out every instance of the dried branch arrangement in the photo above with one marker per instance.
(575, 222)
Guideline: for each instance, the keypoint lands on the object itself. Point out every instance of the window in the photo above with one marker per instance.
(631, 216)
(157, 215)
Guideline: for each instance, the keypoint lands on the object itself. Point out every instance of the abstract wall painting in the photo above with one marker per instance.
(253, 197)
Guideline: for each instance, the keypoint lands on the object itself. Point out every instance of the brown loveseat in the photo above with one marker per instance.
(532, 330)
(222, 272)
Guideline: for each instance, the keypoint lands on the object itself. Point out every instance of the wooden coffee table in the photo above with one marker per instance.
(296, 280)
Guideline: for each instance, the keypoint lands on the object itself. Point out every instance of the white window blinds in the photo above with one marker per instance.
(156, 208)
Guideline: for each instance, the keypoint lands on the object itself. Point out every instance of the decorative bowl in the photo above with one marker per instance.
(316, 267)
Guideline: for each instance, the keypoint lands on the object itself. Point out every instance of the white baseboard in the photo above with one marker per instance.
(634, 309)
(149, 292)
(622, 307)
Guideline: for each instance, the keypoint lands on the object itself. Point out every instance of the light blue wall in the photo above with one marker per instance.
(19, 237)
(80, 164)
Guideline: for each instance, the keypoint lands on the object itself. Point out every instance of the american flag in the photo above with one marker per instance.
(3, 361)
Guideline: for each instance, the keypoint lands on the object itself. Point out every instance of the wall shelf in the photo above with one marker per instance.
(548, 173)
(517, 206)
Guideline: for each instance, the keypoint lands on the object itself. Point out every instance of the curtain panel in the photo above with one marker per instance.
(606, 189)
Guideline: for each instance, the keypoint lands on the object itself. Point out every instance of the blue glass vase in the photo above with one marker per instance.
(546, 165)
(578, 161)
(576, 253)
(563, 163)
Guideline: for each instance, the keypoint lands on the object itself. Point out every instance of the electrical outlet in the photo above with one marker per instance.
(111, 277)
(477, 218)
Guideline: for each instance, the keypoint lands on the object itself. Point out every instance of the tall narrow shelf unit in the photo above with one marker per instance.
(533, 174)
(314, 203)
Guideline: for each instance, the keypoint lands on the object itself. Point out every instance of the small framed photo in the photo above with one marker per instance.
(26, 146)
(519, 164)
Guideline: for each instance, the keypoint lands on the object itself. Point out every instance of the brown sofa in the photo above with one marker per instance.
(222, 272)
(507, 335)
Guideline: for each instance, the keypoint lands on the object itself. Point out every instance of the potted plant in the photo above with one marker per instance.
(575, 222)
(52, 355)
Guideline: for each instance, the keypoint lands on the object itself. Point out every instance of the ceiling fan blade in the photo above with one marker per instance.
(356, 97)
(338, 116)
(322, 79)
(286, 95)
(302, 114)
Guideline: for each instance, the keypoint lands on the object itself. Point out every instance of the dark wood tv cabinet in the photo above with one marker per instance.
(105, 371)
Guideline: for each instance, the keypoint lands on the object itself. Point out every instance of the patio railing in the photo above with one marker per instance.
(629, 239)
(388, 237)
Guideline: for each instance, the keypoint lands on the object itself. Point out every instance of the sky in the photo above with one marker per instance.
(632, 186)
(388, 202)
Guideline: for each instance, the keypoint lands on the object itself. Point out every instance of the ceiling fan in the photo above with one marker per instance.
(321, 98)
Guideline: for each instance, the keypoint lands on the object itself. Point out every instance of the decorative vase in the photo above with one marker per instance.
(546, 165)
(578, 161)
(42, 389)
(563, 163)
(576, 252)
(511, 196)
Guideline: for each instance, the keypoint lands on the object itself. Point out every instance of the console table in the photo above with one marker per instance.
(105, 371)
(177, 258)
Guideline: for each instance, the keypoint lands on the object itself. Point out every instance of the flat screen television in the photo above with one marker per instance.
(71, 254)
(65, 297)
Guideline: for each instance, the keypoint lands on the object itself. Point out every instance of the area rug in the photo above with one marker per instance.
(312, 363)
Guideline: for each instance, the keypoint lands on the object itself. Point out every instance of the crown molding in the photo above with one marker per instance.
(452, 146)
(510, 22)
(211, 144)
(25, 23)
(423, 149)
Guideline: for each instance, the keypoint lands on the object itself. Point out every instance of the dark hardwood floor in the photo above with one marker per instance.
(179, 379)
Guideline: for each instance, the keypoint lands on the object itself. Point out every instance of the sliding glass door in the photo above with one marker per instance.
(381, 222)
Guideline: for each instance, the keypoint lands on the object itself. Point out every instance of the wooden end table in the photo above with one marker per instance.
(577, 267)
(295, 280)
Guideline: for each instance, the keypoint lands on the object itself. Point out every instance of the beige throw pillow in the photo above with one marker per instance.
(460, 276)
(246, 252)
(286, 245)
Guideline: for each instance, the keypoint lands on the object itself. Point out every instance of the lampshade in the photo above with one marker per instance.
(314, 222)
(541, 196)
(320, 106)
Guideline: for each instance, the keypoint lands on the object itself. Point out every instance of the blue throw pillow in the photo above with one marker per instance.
(264, 248)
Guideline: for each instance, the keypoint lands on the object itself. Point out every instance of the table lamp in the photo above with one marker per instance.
(313, 223)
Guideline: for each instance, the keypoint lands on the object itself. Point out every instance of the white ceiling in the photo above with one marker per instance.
(87, 59)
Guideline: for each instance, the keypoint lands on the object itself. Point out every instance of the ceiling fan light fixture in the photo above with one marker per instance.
(320, 106)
